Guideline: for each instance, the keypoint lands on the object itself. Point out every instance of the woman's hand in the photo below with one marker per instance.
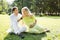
(32, 25)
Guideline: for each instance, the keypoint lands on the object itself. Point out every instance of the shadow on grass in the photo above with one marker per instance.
(28, 36)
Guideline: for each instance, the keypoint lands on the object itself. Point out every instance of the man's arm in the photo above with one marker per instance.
(19, 19)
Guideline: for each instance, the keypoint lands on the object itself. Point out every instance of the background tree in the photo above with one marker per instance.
(52, 7)
(3, 6)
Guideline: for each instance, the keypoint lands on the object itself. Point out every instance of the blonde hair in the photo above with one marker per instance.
(26, 8)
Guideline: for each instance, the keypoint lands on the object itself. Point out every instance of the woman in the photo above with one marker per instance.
(30, 22)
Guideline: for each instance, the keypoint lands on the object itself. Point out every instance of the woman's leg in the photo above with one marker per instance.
(33, 30)
(41, 28)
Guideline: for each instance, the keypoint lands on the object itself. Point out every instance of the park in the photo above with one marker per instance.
(46, 12)
(53, 23)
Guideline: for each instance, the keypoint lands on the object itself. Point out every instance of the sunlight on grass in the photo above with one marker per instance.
(48, 22)
(4, 24)
(53, 25)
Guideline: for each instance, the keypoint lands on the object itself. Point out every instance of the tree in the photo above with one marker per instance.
(38, 6)
(3, 6)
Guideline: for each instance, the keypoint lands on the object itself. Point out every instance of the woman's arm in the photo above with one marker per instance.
(32, 25)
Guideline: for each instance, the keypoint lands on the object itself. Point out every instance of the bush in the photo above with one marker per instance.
(3, 13)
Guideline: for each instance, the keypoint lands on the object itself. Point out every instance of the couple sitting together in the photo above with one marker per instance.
(29, 22)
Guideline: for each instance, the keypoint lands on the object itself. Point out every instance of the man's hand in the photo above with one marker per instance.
(19, 19)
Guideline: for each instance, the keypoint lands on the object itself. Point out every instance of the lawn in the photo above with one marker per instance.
(51, 22)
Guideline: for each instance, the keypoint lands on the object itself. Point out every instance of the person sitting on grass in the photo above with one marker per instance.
(15, 28)
(31, 23)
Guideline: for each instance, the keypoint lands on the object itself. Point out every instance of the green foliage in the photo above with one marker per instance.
(3, 13)
(0, 7)
(3, 6)
(38, 6)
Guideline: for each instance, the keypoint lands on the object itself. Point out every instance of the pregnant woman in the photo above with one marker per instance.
(30, 22)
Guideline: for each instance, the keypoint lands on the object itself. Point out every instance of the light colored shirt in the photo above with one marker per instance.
(14, 24)
(28, 20)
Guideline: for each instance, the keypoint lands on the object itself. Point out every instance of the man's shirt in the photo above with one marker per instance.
(14, 23)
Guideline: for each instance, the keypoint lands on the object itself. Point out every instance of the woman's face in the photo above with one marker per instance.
(25, 12)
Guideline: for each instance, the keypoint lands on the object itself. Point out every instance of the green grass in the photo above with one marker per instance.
(51, 22)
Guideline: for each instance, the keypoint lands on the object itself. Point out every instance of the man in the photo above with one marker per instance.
(15, 17)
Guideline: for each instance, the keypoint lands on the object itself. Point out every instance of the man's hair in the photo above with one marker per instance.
(14, 8)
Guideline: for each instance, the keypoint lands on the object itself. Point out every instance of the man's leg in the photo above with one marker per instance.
(10, 31)
(20, 32)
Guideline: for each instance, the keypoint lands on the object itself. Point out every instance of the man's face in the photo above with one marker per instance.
(16, 11)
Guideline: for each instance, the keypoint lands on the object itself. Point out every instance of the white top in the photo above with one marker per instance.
(14, 23)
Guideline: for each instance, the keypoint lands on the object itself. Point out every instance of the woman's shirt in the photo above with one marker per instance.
(28, 20)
